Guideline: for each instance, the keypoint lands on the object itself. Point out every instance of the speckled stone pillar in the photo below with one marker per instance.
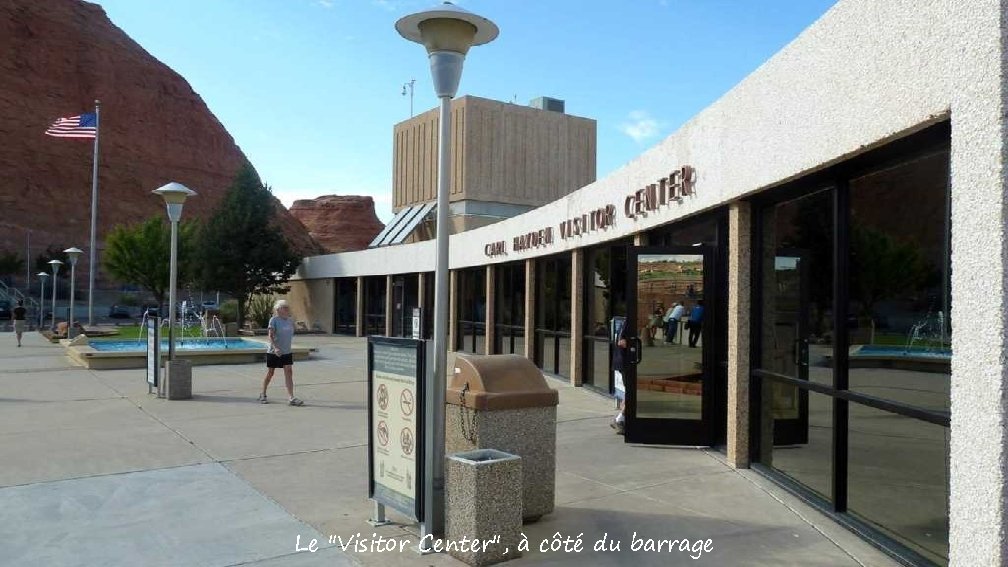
(388, 306)
(481, 503)
(739, 264)
(178, 379)
(360, 306)
(530, 307)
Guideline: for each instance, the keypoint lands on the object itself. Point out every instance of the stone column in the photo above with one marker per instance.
(739, 288)
(421, 293)
(640, 239)
(491, 313)
(452, 310)
(530, 304)
(978, 464)
(388, 306)
(360, 306)
(577, 315)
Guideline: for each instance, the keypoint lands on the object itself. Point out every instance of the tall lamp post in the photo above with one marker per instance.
(41, 303)
(447, 32)
(55, 265)
(174, 195)
(72, 254)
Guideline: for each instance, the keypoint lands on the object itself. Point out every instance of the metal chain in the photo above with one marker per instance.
(471, 435)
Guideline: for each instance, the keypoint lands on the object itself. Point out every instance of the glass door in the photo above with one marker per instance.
(788, 312)
(669, 364)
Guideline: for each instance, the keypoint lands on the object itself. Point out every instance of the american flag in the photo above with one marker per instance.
(82, 126)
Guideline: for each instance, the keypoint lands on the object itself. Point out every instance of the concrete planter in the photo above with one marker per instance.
(483, 501)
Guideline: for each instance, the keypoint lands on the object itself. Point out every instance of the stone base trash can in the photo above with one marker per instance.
(502, 402)
(481, 506)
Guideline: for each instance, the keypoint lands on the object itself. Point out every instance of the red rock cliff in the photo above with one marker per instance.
(339, 223)
(56, 58)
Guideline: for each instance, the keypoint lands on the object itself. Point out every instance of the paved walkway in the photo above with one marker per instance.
(95, 472)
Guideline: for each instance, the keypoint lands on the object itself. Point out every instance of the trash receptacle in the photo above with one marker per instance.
(502, 402)
(480, 505)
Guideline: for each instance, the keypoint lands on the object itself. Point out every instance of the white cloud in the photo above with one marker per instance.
(325, 3)
(640, 126)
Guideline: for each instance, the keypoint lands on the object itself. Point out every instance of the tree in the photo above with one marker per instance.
(242, 252)
(51, 253)
(882, 268)
(10, 263)
(140, 254)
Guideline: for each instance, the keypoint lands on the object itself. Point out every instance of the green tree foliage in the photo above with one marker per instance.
(140, 254)
(242, 252)
(882, 268)
(10, 263)
(51, 253)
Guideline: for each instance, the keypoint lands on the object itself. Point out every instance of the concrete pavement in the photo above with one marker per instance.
(96, 472)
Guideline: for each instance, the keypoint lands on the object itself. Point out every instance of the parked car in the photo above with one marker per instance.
(119, 312)
(5, 309)
(209, 306)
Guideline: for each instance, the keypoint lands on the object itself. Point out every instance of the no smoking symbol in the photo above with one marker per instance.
(406, 440)
(406, 402)
(382, 433)
(382, 397)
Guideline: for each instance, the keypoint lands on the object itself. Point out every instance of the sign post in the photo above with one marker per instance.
(153, 355)
(396, 379)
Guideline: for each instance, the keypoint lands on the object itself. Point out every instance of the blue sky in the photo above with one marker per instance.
(310, 89)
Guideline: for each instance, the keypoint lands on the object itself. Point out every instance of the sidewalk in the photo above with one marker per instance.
(95, 472)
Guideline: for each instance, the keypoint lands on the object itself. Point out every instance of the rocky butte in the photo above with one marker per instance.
(339, 223)
(58, 57)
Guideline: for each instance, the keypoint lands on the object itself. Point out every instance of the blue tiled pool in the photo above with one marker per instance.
(187, 344)
(897, 352)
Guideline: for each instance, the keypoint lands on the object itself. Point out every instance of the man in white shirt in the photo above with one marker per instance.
(671, 321)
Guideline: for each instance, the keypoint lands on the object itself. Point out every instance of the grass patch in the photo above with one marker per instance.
(133, 332)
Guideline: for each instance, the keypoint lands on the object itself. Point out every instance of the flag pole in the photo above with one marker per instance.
(94, 216)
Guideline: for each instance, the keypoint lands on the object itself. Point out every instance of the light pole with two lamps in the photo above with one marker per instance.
(72, 255)
(447, 32)
(55, 265)
(41, 316)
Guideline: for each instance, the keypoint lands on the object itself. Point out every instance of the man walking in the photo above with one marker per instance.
(695, 323)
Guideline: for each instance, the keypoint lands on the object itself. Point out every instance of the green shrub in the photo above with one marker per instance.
(260, 309)
(229, 311)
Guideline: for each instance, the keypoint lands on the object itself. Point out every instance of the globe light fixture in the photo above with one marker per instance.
(73, 254)
(174, 195)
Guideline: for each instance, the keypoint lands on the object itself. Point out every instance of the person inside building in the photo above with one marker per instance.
(671, 321)
(695, 323)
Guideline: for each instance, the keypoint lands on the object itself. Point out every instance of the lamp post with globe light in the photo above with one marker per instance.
(174, 195)
(447, 32)
(42, 276)
(55, 265)
(72, 255)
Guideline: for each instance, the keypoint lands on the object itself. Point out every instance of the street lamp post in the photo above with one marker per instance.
(72, 254)
(174, 195)
(55, 265)
(41, 316)
(447, 32)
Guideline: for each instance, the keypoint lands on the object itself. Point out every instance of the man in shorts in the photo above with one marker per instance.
(279, 353)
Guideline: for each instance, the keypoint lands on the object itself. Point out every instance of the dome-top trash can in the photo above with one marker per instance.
(502, 402)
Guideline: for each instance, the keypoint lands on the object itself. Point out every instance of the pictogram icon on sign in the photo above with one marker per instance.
(406, 440)
(382, 397)
(406, 402)
(382, 433)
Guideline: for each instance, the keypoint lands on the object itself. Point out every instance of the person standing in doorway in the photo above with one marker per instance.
(619, 386)
(20, 313)
(279, 353)
(695, 323)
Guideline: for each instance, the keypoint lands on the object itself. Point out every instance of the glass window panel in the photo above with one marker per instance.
(809, 458)
(900, 334)
(898, 478)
